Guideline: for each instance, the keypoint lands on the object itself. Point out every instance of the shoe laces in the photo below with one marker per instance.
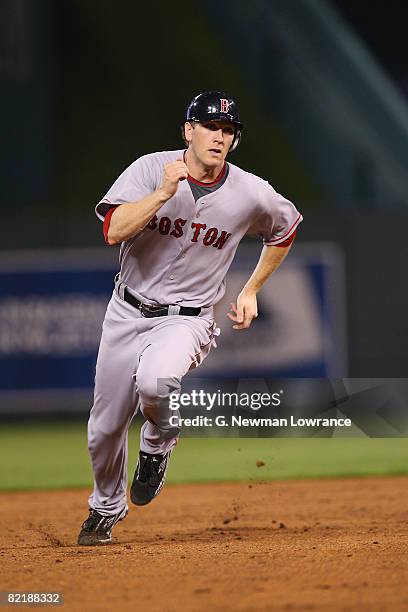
(93, 520)
(150, 467)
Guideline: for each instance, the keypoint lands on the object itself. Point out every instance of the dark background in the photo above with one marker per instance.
(87, 87)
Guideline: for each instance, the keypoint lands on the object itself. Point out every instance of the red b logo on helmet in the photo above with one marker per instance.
(224, 105)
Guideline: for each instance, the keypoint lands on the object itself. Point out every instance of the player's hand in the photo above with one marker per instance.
(173, 173)
(244, 311)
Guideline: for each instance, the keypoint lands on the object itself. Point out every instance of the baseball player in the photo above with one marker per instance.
(179, 217)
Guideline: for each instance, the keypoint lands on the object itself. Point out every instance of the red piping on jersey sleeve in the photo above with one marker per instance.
(106, 222)
(288, 241)
(292, 228)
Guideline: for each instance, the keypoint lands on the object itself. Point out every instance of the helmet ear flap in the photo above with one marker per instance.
(236, 141)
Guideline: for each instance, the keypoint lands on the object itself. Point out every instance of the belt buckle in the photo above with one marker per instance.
(149, 311)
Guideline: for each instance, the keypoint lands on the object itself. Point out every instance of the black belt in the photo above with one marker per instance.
(149, 310)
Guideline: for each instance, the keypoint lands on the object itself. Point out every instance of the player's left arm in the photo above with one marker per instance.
(246, 308)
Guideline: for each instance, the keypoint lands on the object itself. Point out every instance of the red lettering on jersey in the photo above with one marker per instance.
(224, 105)
(178, 228)
(164, 225)
(210, 236)
(152, 223)
(222, 239)
(197, 229)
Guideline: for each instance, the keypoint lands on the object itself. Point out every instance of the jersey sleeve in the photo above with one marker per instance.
(134, 184)
(278, 220)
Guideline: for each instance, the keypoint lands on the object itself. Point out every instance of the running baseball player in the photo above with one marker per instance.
(179, 217)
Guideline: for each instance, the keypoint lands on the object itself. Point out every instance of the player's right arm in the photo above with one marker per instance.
(127, 221)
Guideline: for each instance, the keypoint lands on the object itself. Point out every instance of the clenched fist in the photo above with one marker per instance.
(173, 173)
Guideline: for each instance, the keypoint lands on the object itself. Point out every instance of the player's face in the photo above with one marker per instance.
(210, 141)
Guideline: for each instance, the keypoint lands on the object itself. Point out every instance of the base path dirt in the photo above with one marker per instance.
(310, 545)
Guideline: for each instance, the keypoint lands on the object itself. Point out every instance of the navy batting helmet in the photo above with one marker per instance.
(216, 106)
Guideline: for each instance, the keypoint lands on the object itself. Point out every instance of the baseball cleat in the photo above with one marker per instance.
(149, 477)
(97, 529)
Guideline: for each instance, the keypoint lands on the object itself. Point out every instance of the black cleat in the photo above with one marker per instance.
(149, 477)
(97, 529)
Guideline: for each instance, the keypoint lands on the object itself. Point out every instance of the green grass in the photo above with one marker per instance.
(47, 456)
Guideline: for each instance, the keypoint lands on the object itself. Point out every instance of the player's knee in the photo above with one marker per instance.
(156, 391)
(98, 435)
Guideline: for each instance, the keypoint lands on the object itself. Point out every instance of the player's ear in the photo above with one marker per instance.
(188, 132)
(236, 141)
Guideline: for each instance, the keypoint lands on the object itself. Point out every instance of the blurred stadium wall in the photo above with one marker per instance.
(87, 87)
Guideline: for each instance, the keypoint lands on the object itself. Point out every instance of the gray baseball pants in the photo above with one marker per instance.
(134, 353)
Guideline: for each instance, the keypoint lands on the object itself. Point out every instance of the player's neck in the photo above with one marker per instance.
(200, 172)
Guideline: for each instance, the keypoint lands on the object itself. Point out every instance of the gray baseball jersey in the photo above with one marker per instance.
(184, 252)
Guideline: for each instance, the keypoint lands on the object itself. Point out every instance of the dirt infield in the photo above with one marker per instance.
(309, 545)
